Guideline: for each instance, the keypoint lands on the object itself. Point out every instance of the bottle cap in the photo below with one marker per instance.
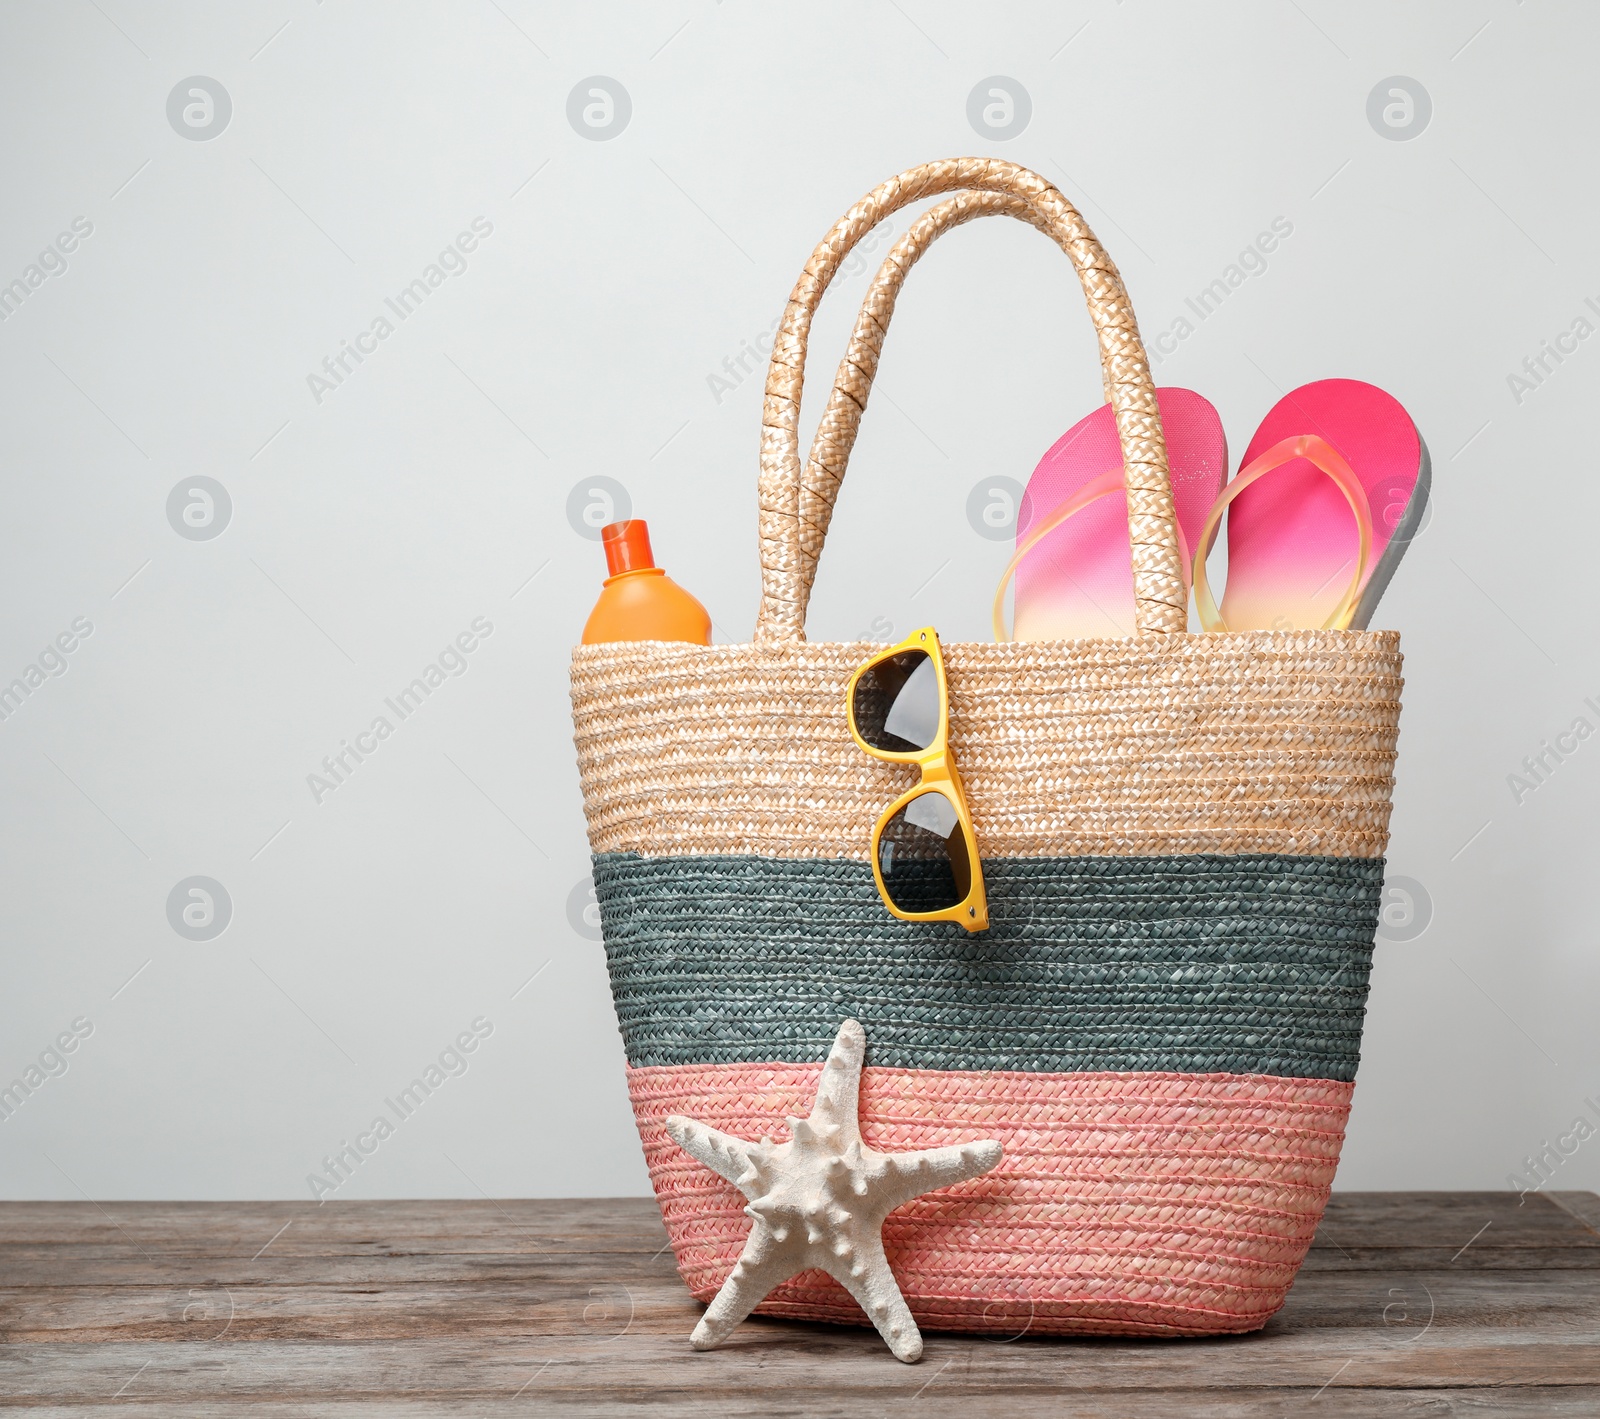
(627, 546)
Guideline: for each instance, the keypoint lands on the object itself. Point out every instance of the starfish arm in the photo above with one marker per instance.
(839, 1090)
(910, 1175)
(732, 1158)
(819, 1201)
(866, 1274)
(762, 1267)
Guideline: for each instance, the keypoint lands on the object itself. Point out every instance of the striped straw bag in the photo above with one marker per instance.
(1182, 839)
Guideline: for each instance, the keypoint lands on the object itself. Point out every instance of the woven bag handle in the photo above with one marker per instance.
(841, 420)
(786, 572)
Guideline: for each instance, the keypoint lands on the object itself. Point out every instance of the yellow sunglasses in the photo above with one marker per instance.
(924, 852)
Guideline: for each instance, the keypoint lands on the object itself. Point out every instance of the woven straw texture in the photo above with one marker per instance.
(1267, 741)
(1182, 837)
(1163, 1204)
(1245, 964)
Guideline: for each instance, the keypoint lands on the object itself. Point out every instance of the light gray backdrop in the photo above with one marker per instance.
(206, 207)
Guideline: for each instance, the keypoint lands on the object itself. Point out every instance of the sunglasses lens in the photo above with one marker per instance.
(896, 704)
(922, 854)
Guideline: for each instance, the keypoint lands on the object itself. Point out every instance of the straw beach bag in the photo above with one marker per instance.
(1182, 840)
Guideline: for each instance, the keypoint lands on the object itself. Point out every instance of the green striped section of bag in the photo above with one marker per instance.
(1248, 964)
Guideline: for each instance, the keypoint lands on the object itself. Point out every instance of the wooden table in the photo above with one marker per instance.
(1410, 1303)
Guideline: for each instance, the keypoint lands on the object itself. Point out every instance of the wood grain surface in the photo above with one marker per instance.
(1409, 1303)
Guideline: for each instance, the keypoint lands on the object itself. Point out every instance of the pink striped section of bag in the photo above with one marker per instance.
(1126, 1203)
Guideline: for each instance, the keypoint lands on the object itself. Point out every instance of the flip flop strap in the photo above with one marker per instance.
(1096, 488)
(1325, 459)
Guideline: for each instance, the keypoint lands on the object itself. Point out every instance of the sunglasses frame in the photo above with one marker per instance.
(938, 773)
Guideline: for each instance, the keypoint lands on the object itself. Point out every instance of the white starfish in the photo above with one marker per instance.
(819, 1202)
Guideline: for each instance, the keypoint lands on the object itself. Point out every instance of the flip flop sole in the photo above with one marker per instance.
(1292, 538)
(1409, 524)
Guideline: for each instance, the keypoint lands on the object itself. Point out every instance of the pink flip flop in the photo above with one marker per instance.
(1315, 544)
(1072, 566)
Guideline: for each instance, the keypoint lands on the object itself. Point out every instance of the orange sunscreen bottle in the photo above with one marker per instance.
(639, 601)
